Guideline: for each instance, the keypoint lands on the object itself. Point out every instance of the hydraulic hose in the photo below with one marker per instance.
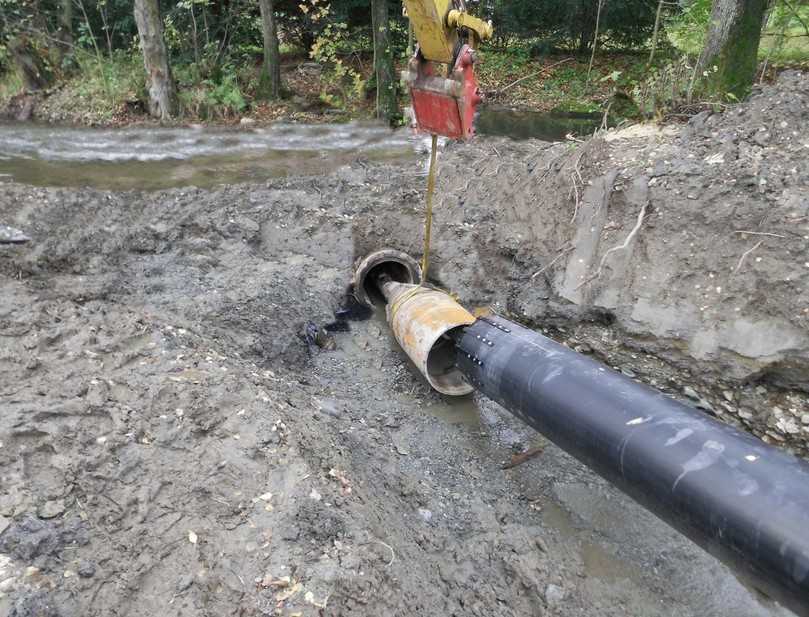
(743, 501)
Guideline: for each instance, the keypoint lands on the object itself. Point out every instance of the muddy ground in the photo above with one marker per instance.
(172, 445)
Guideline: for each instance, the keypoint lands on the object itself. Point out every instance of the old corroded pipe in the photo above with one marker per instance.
(423, 320)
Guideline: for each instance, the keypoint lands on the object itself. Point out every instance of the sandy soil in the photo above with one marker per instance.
(172, 445)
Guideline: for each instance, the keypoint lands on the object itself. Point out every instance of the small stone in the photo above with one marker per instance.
(185, 582)
(315, 495)
(10, 235)
(400, 444)
(541, 545)
(7, 585)
(425, 514)
(728, 395)
(804, 420)
(51, 509)
(788, 426)
(329, 407)
(247, 121)
(69, 574)
(627, 372)
(87, 569)
(554, 595)
(691, 393)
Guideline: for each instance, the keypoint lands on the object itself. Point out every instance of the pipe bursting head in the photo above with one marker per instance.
(422, 319)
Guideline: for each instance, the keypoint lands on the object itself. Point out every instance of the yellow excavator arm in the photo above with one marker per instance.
(446, 35)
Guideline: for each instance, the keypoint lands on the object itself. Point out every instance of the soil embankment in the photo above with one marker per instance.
(171, 444)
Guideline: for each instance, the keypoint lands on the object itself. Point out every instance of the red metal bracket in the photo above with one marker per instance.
(445, 106)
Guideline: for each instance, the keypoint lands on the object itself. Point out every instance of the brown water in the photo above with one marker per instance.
(160, 158)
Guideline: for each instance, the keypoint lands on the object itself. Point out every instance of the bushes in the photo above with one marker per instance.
(213, 99)
(570, 24)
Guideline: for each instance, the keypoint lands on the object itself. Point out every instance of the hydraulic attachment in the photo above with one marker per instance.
(441, 75)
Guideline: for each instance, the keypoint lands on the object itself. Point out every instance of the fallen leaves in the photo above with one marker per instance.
(519, 459)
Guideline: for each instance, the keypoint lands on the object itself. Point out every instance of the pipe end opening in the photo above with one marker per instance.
(441, 370)
(399, 266)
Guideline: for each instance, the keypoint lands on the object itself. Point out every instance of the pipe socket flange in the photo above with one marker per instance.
(399, 266)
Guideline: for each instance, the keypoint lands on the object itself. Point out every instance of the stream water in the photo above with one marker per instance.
(159, 158)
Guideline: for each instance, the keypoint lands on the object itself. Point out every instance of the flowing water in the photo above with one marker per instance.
(149, 158)
(156, 158)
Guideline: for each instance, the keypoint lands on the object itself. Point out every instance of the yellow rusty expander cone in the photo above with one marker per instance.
(421, 318)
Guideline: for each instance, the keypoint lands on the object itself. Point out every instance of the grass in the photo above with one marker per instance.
(10, 84)
(104, 85)
(558, 82)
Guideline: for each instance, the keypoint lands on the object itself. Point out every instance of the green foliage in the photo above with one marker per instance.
(688, 29)
(664, 87)
(10, 84)
(571, 23)
(342, 85)
(215, 48)
(226, 94)
(219, 96)
(785, 38)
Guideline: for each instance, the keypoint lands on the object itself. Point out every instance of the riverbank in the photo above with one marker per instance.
(111, 94)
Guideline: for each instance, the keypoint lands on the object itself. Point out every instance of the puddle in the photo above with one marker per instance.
(598, 562)
(461, 410)
(558, 518)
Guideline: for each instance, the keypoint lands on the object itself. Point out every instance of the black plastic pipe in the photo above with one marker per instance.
(743, 501)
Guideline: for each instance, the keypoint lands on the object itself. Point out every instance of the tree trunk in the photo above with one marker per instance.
(270, 81)
(65, 31)
(595, 38)
(581, 20)
(29, 65)
(163, 102)
(656, 32)
(386, 100)
(731, 46)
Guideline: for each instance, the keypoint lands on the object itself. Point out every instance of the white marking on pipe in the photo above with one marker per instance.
(710, 453)
(681, 434)
(640, 420)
